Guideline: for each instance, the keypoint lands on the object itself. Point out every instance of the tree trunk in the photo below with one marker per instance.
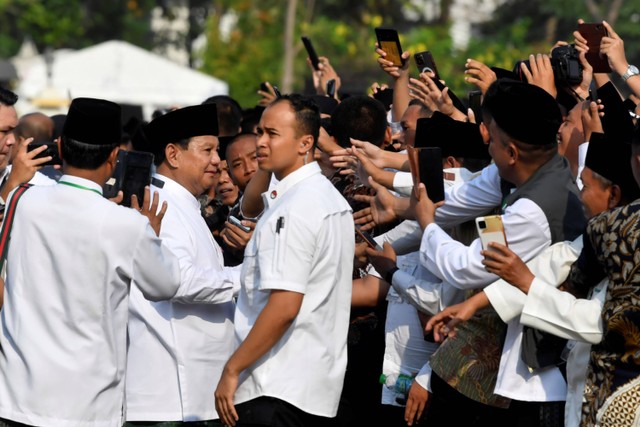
(289, 51)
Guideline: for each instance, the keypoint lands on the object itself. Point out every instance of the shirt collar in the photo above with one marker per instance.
(82, 182)
(177, 190)
(274, 194)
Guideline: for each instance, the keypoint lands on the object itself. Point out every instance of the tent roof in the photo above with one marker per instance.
(124, 73)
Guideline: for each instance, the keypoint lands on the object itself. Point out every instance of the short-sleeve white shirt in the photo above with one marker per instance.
(304, 242)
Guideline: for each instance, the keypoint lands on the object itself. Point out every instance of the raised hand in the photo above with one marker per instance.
(149, 208)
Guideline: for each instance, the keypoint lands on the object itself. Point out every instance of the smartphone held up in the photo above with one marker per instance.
(389, 41)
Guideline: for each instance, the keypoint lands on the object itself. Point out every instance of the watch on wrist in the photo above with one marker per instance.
(389, 276)
(632, 70)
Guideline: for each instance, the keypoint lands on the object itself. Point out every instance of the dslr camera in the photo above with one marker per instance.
(565, 61)
(567, 69)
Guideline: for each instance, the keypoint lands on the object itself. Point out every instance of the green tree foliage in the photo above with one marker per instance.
(73, 23)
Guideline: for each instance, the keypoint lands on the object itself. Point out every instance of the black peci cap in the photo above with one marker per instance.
(93, 121)
(180, 124)
(612, 160)
(525, 112)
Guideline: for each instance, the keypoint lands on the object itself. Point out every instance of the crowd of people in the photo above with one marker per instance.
(287, 265)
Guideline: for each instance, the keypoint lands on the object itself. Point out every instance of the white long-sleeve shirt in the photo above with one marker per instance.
(178, 348)
(72, 258)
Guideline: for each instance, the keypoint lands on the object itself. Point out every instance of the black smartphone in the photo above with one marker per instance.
(131, 175)
(51, 150)
(389, 41)
(276, 91)
(424, 62)
(313, 56)
(593, 33)
(431, 174)
(475, 103)
(331, 88)
(367, 238)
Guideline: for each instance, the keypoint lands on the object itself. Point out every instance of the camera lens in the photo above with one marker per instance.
(482, 225)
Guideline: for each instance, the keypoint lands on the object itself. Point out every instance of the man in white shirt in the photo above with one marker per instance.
(293, 309)
(177, 348)
(72, 258)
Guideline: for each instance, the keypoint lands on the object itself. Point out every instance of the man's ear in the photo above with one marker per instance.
(388, 136)
(615, 196)
(172, 154)
(306, 144)
(484, 132)
(514, 153)
(450, 162)
(58, 142)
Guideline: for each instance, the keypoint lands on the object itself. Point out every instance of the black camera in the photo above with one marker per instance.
(565, 61)
(566, 65)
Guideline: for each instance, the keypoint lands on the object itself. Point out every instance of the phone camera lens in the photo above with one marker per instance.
(482, 224)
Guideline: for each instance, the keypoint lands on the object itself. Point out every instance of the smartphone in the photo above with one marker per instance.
(424, 62)
(276, 91)
(490, 229)
(368, 238)
(475, 103)
(131, 174)
(313, 56)
(593, 33)
(389, 41)
(235, 221)
(331, 88)
(425, 164)
(51, 150)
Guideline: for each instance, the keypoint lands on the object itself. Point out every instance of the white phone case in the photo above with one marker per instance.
(490, 229)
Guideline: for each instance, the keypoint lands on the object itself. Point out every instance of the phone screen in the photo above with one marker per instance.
(389, 41)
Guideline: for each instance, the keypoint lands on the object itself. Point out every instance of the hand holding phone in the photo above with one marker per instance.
(389, 41)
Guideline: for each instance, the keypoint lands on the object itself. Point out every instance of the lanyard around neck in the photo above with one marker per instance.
(82, 187)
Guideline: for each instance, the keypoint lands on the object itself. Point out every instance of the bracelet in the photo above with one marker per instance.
(389, 276)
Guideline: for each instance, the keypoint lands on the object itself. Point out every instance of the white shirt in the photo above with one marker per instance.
(560, 313)
(304, 242)
(72, 257)
(406, 350)
(528, 233)
(178, 348)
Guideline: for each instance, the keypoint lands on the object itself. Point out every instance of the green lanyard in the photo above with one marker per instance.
(70, 184)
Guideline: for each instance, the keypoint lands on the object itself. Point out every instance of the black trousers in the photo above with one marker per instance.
(450, 408)
(272, 412)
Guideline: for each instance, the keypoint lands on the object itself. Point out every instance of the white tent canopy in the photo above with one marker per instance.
(123, 73)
